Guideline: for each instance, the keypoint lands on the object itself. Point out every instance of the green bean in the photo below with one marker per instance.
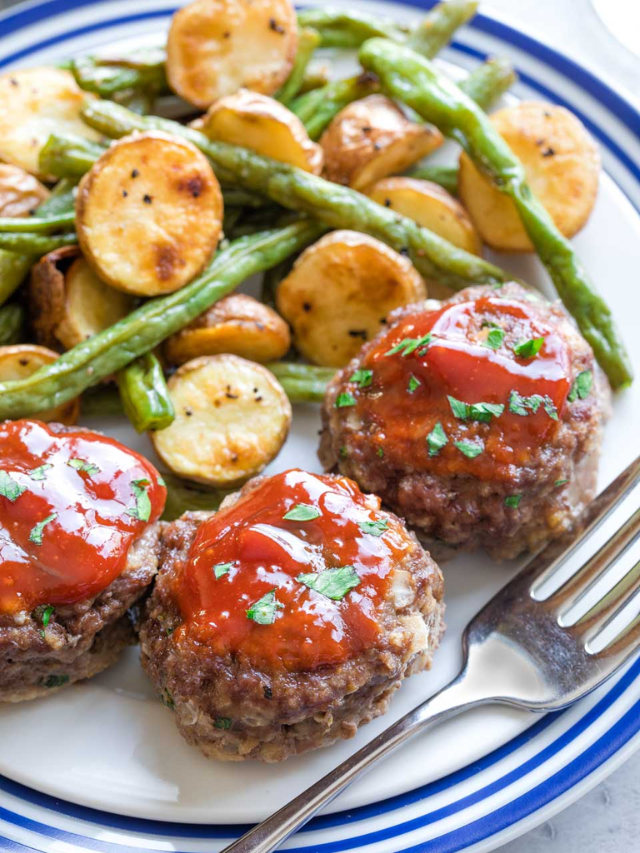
(35, 244)
(314, 78)
(35, 224)
(489, 81)
(183, 496)
(11, 324)
(316, 109)
(302, 383)
(235, 197)
(141, 331)
(69, 156)
(339, 28)
(335, 205)
(103, 401)
(144, 394)
(308, 41)
(406, 75)
(438, 26)
(108, 77)
(61, 200)
(445, 176)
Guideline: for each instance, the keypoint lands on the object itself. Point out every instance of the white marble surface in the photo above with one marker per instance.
(606, 820)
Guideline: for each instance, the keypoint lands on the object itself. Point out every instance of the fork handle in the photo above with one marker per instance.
(272, 832)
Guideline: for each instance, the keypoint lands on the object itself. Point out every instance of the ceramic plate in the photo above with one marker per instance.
(101, 767)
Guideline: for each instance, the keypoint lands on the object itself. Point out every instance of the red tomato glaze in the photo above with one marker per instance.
(268, 552)
(68, 513)
(457, 362)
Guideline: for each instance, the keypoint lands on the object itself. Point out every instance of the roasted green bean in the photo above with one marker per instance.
(445, 176)
(303, 383)
(11, 324)
(308, 41)
(36, 224)
(144, 394)
(35, 244)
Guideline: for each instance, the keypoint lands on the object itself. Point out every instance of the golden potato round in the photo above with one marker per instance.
(562, 165)
(34, 103)
(372, 138)
(215, 47)
(263, 125)
(20, 192)
(237, 324)
(20, 361)
(431, 206)
(149, 214)
(339, 293)
(232, 418)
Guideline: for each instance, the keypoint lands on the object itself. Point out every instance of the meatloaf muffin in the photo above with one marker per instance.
(289, 618)
(478, 419)
(78, 548)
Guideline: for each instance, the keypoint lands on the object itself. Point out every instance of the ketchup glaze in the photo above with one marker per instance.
(267, 553)
(71, 506)
(408, 392)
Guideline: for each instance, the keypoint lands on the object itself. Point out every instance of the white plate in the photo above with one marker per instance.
(109, 745)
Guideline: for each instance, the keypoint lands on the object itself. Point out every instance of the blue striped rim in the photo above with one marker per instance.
(537, 797)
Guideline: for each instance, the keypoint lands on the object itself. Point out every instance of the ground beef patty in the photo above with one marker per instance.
(293, 670)
(478, 419)
(46, 554)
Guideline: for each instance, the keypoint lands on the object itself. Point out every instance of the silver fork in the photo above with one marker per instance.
(519, 650)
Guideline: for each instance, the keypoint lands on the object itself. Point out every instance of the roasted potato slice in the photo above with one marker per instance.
(430, 205)
(68, 303)
(372, 138)
(217, 46)
(149, 214)
(264, 125)
(34, 103)
(20, 192)
(562, 165)
(20, 361)
(232, 418)
(237, 324)
(339, 293)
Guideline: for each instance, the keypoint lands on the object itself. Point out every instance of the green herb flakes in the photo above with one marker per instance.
(494, 338)
(47, 613)
(408, 345)
(343, 453)
(524, 406)
(582, 385)
(223, 722)
(469, 449)
(332, 583)
(263, 611)
(380, 452)
(40, 472)
(9, 488)
(513, 501)
(414, 384)
(142, 509)
(221, 569)
(560, 483)
(345, 399)
(374, 528)
(528, 349)
(89, 468)
(55, 681)
(482, 412)
(161, 481)
(36, 532)
(363, 378)
(302, 512)
(436, 439)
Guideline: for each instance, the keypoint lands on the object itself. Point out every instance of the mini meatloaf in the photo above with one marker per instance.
(289, 618)
(479, 420)
(78, 548)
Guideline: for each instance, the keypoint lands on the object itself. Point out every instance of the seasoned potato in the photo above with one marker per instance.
(340, 291)
(217, 46)
(67, 301)
(20, 192)
(562, 165)
(149, 214)
(237, 324)
(232, 418)
(34, 103)
(264, 125)
(429, 205)
(372, 138)
(20, 361)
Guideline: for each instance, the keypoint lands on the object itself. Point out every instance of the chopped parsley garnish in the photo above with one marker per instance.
(380, 452)
(582, 385)
(345, 399)
(528, 349)
(36, 532)
(221, 569)
(332, 583)
(142, 509)
(408, 345)
(520, 405)
(469, 449)
(55, 681)
(302, 512)
(263, 611)
(494, 338)
(343, 452)
(161, 481)
(223, 722)
(9, 488)
(513, 501)
(560, 482)
(39, 472)
(482, 412)
(82, 465)
(47, 613)
(414, 383)
(362, 377)
(374, 528)
(436, 439)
